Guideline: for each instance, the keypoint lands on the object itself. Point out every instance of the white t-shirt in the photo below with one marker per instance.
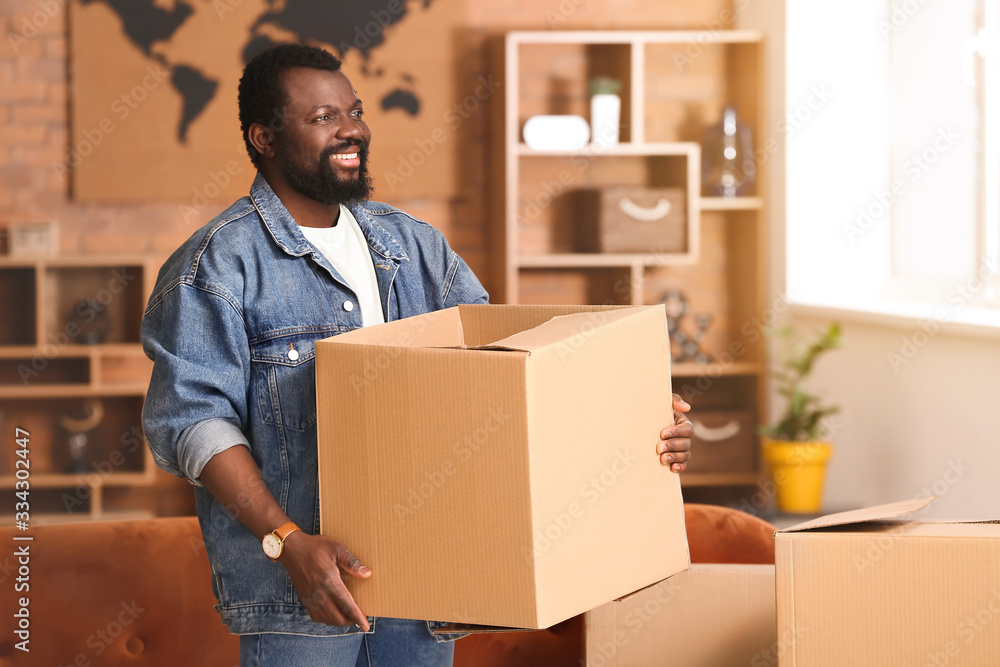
(345, 246)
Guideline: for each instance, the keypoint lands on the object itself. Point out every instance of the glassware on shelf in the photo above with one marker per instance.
(728, 169)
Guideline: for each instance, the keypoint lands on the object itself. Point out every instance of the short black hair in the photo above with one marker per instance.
(261, 94)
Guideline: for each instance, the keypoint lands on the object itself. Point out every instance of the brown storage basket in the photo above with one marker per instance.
(724, 441)
(632, 220)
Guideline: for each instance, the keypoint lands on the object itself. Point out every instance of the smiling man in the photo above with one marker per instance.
(231, 327)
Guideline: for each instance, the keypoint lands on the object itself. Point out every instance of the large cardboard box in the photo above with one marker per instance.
(706, 616)
(869, 587)
(496, 465)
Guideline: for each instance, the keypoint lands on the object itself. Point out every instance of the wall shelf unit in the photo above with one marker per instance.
(674, 84)
(73, 374)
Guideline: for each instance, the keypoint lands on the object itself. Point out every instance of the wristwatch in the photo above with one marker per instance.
(274, 542)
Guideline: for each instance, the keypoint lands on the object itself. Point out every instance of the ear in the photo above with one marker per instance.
(262, 138)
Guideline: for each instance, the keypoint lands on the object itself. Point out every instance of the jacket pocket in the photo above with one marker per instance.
(284, 378)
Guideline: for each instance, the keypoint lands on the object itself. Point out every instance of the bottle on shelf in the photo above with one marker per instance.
(728, 169)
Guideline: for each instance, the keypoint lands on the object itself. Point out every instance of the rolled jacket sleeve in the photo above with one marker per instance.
(196, 406)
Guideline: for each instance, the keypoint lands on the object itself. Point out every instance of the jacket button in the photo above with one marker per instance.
(348, 306)
(293, 354)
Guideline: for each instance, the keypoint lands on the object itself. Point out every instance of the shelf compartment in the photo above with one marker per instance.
(18, 296)
(606, 286)
(123, 369)
(38, 370)
(549, 186)
(686, 89)
(712, 391)
(87, 305)
(555, 79)
(53, 504)
(114, 443)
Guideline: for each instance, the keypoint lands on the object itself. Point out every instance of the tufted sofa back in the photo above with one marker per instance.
(114, 593)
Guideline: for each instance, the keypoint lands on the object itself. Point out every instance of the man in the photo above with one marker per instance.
(231, 327)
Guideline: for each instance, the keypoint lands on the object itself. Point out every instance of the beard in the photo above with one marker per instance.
(323, 185)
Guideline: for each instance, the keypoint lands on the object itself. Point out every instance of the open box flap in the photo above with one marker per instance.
(562, 329)
(877, 513)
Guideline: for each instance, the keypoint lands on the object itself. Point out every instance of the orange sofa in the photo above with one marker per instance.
(138, 593)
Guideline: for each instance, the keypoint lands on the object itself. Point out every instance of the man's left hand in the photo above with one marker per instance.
(674, 447)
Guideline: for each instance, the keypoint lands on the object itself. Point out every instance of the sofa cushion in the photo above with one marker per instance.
(115, 593)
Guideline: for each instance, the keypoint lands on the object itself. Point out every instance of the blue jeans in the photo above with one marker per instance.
(393, 642)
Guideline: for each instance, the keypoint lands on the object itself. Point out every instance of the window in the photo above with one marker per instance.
(893, 171)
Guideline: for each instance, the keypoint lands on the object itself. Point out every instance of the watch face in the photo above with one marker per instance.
(272, 546)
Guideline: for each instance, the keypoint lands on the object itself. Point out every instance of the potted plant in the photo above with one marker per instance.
(605, 111)
(796, 447)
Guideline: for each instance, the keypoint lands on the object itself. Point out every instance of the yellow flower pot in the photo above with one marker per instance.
(799, 471)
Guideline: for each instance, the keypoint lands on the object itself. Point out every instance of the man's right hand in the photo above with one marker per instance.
(315, 563)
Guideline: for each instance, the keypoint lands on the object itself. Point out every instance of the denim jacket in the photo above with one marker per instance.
(231, 327)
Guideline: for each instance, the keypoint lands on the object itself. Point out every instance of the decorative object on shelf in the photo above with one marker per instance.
(728, 169)
(725, 441)
(684, 347)
(78, 430)
(92, 320)
(796, 446)
(33, 239)
(632, 219)
(556, 133)
(605, 111)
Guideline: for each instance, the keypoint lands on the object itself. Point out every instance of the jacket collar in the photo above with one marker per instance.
(286, 233)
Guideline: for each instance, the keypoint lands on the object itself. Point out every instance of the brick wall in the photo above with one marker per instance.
(34, 134)
(34, 120)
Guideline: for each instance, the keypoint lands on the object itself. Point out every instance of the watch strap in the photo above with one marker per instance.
(284, 530)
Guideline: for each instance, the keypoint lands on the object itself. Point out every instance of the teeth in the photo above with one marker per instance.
(345, 156)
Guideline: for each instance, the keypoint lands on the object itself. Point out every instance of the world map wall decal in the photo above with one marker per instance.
(153, 90)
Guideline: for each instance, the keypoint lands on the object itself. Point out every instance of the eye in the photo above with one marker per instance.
(323, 117)
(358, 113)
